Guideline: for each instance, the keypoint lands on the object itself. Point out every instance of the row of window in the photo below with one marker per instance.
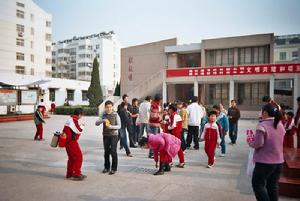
(21, 14)
(83, 64)
(283, 55)
(21, 70)
(70, 95)
(21, 57)
(247, 55)
(20, 42)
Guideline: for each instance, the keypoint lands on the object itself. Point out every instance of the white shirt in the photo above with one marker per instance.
(144, 112)
(195, 114)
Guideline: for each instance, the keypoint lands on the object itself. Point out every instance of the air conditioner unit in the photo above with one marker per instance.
(20, 34)
(12, 109)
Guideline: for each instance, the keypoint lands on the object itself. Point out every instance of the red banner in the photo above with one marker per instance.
(234, 70)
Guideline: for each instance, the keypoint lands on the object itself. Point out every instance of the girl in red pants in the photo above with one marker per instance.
(39, 120)
(164, 146)
(175, 129)
(289, 130)
(211, 136)
(73, 131)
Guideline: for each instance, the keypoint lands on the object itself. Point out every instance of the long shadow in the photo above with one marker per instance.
(98, 198)
(6, 170)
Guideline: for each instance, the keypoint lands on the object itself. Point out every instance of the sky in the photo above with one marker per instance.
(143, 21)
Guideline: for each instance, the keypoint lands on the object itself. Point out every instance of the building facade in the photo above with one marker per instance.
(222, 69)
(25, 38)
(73, 59)
(286, 50)
(26, 58)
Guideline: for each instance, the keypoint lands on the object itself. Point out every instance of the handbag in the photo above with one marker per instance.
(251, 164)
(55, 138)
(62, 140)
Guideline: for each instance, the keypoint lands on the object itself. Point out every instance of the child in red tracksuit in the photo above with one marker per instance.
(290, 130)
(73, 130)
(211, 136)
(175, 129)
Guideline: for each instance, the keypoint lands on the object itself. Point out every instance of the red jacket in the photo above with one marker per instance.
(175, 126)
(72, 129)
(155, 117)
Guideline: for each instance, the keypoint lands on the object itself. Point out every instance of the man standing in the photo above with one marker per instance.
(233, 116)
(297, 123)
(129, 126)
(195, 115)
(134, 115)
(144, 114)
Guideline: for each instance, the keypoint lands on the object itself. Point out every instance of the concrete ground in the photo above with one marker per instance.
(33, 171)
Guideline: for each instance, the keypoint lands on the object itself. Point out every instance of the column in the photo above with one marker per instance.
(164, 92)
(164, 87)
(272, 80)
(196, 87)
(296, 93)
(231, 90)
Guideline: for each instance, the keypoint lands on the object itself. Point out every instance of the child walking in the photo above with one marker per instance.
(73, 131)
(39, 120)
(111, 124)
(211, 136)
(164, 146)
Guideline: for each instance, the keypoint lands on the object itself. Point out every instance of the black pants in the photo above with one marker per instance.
(135, 130)
(110, 148)
(183, 142)
(193, 134)
(265, 181)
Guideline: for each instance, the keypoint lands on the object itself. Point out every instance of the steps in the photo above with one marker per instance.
(289, 182)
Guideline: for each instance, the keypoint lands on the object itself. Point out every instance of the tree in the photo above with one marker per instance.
(117, 90)
(94, 93)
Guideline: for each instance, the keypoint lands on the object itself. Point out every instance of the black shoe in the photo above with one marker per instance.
(79, 178)
(133, 146)
(180, 165)
(167, 167)
(121, 147)
(105, 171)
(161, 169)
(112, 172)
(129, 155)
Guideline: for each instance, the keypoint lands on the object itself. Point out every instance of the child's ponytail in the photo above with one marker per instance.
(273, 112)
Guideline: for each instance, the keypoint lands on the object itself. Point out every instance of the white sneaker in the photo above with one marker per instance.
(209, 166)
(222, 155)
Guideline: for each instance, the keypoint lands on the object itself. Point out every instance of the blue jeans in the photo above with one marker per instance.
(143, 127)
(233, 130)
(153, 130)
(223, 144)
(123, 140)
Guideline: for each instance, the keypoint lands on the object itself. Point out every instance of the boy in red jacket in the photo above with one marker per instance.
(73, 131)
(211, 136)
(175, 129)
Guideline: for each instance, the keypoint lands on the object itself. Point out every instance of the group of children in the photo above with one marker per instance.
(165, 145)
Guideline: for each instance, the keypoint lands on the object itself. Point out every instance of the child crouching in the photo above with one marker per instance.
(164, 146)
(211, 136)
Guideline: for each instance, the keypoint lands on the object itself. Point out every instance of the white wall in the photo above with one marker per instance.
(8, 35)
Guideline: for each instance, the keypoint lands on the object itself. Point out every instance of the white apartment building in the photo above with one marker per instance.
(73, 59)
(25, 38)
(26, 58)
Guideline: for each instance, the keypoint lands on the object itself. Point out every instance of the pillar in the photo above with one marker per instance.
(164, 90)
(196, 87)
(296, 93)
(272, 80)
(231, 90)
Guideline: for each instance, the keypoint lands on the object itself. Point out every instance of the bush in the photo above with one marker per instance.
(68, 110)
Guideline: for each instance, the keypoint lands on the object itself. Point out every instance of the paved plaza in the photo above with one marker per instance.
(33, 171)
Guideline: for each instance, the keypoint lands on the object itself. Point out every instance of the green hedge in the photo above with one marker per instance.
(68, 110)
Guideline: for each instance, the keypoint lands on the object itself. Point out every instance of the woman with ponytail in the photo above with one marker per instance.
(268, 154)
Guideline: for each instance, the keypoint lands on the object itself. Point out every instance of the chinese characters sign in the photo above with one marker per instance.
(235, 70)
(130, 68)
